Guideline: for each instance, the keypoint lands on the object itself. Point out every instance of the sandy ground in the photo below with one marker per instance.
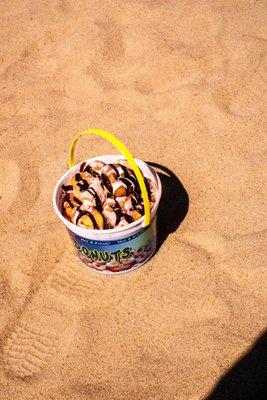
(182, 84)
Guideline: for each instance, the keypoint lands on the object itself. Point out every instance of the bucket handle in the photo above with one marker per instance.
(129, 157)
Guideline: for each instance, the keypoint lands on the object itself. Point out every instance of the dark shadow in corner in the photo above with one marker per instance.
(247, 379)
(173, 205)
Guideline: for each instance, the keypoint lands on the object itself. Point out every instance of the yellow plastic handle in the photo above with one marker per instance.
(129, 157)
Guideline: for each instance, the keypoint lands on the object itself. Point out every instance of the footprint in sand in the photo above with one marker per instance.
(28, 351)
(42, 335)
(47, 327)
(9, 178)
(89, 288)
(44, 332)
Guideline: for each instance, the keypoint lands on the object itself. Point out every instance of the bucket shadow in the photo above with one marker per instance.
(247, 379)
(174, 203)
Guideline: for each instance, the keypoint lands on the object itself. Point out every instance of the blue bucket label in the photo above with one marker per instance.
(116, 255)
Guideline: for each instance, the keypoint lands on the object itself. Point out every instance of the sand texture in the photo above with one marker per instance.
(182, 84)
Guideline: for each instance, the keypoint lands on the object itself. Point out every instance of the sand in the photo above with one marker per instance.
(182, 84)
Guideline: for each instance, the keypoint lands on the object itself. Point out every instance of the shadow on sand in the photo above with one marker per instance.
(247, 379)
(173, 205)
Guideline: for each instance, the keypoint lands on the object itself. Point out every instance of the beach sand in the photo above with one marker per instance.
(182, 84)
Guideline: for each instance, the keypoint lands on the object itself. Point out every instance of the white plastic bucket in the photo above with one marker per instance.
(118, 250)
(112, 251)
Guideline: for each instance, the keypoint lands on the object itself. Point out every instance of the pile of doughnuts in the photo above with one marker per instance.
(105, 196)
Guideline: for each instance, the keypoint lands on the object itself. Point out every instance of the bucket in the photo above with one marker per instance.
(118, 250)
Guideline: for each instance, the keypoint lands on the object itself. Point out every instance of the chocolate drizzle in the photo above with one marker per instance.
(137, 196)
(140, 208)
(129, 175)
(79, 216)
(106, 183)
(67, 188)
(70, 200)
(82, 213)
(93, 220)
(115, 169)
(133, 179)
(82, 166)
(78, 177)
(129, 184)
(125, 170)
(148, 188)
(134, 202)
(83, 185)
(128, 218)
(66, 199)
(91, 171)
(77, 200)
(97, 199)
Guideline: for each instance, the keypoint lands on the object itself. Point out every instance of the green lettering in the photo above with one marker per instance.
(94, 254)
(105, 256)
(85, 250)
(127, 252)
(116, 254)
(77, 245)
